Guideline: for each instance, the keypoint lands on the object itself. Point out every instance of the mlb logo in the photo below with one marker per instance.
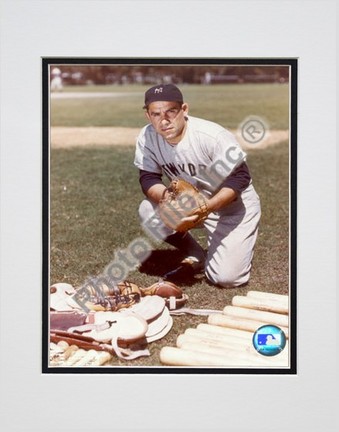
(269, 339)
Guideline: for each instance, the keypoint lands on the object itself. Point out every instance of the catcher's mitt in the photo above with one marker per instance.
(183, 206)
(102, 294)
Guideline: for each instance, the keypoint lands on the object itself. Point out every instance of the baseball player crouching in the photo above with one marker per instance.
(208, 156)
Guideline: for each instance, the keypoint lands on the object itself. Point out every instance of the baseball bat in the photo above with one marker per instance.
(226, 331)
(214, 331)
(251, 314)
(69, 351)
(251, 356)
(197, 339)
(227, 346)
(234, 322)
(239, 323)
(199, 334)
(102, 358)
(224, 343)
(77, 356)
(62, 344)
(173, 356)
(266, 295)
(63, 357)
(87, 358)
(261, 304)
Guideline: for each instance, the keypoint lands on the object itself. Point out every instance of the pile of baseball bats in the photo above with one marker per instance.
(226, 340)
(64, 354)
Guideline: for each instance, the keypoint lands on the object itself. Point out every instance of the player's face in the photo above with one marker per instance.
(168, 119)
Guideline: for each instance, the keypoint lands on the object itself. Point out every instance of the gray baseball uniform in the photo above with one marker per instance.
(209, 157)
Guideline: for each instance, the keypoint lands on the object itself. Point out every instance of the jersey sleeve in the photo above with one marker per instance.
(148, 179)
(145, 158)
(239, 179)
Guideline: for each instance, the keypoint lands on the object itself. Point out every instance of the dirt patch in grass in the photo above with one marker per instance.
(65, 137)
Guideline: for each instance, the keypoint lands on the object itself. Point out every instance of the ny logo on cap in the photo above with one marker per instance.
(158, 90)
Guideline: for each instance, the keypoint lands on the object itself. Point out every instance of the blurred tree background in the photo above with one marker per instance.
(92, 74)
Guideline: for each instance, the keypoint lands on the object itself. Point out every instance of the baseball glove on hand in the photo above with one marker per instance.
(183, 206)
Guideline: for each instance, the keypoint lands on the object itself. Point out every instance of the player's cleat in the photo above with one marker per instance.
(188, 267)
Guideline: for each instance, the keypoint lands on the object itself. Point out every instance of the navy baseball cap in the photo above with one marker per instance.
(163, 93)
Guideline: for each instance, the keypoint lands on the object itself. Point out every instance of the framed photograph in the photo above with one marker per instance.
(70, 199)
(169, 215)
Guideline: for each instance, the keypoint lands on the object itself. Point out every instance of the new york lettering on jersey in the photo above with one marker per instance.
(206, 155)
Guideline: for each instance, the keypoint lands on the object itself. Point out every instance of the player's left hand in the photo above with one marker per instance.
(183, 207)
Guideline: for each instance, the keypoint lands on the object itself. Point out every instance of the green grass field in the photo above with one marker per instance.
(95, 196)
(228, 105)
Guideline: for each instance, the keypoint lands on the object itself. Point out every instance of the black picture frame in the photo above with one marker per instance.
(47, 63)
